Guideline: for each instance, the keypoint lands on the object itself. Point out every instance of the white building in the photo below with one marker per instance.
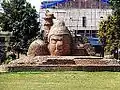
(1, 9)
(83, 18)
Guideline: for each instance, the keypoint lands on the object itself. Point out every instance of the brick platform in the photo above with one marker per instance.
(64, 63)
(65, 68)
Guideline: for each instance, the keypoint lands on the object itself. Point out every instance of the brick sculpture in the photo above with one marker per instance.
(58, 41)
(48, 23)
(37, 48)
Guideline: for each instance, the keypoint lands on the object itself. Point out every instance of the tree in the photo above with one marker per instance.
(109, 33)
(109, 29)
(115, 5)
(20, 18)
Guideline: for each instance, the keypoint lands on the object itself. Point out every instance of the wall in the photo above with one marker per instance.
(74, 18)
(1, 10)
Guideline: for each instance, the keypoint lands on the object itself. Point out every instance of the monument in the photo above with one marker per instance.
(58, 41)
(58, 49)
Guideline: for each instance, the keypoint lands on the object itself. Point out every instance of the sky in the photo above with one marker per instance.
(35, 3)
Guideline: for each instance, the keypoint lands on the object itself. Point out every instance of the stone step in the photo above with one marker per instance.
(91, 61)
(55, 61)
(64, 68)
(62, 61)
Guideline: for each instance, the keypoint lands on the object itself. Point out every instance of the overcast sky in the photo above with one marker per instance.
(35, 3)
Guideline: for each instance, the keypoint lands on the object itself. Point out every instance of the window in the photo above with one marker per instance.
(94, 33)
(80, 32)
(84, 21)
(87, 33)
(2, 39)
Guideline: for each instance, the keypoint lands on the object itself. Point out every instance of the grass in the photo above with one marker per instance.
(74, 80)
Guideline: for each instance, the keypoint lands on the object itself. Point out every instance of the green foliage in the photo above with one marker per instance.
(115, 5)
(10, 56)
(109, 29)
(20, 18)
(109, 33)
(85, 39)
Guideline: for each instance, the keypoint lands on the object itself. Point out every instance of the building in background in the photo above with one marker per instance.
(1, 9)
(81, 16)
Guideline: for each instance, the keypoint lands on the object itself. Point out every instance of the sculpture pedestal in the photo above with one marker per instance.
(64, 63)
